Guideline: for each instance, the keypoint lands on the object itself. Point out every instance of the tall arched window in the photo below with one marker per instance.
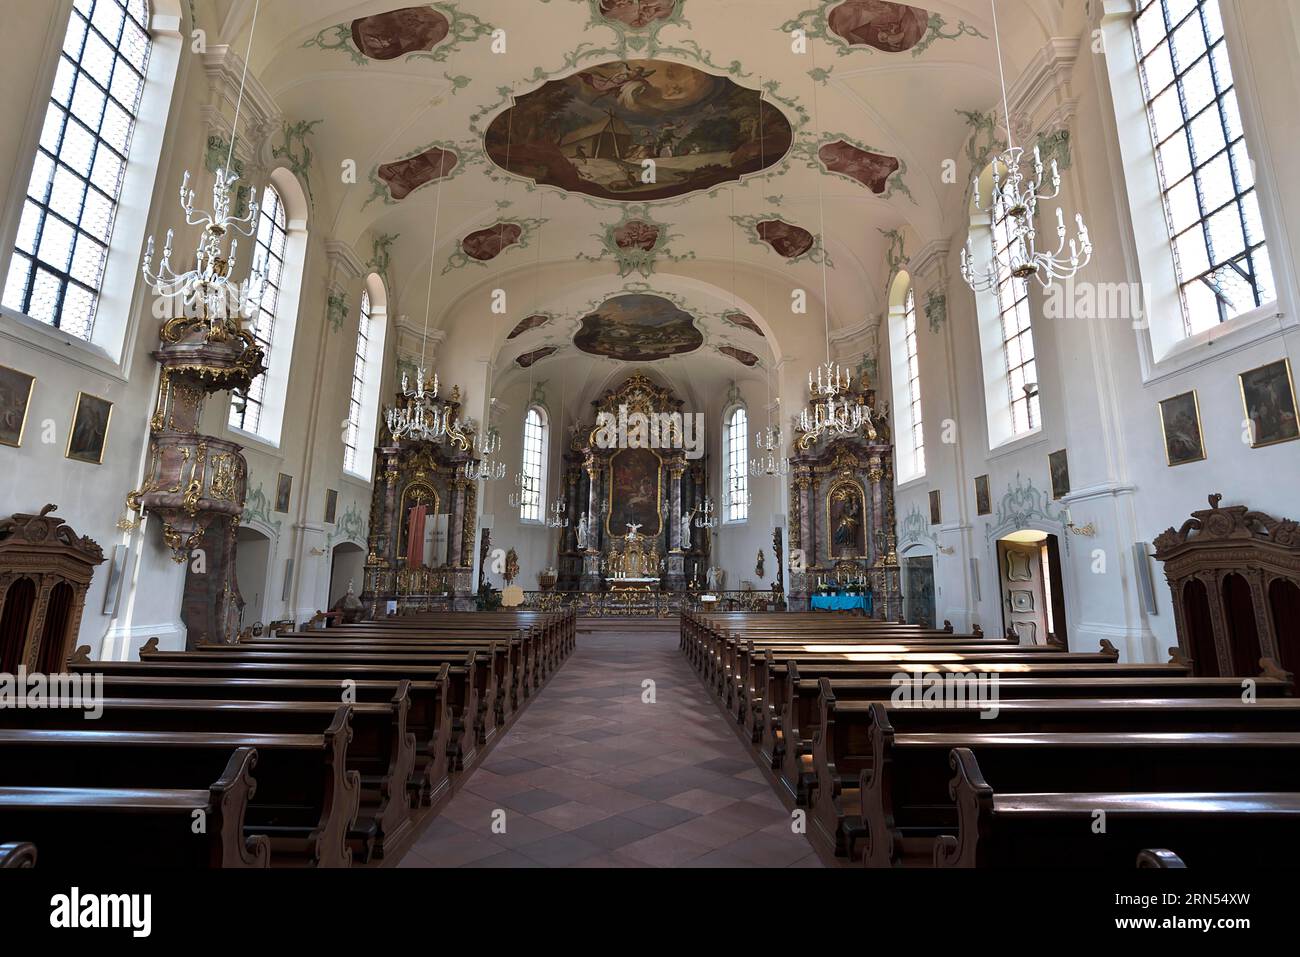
(357, 394)
(1207, 179)
(58, 260)
(533, 493)
(1017, 332)
(913, 379)
(268, 255)
(737, 438)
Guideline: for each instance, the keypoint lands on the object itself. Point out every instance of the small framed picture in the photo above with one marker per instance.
(1268, 395)
(983, 502)
(936, 510)
(283, 489)
(89, 433)
(1059, 468)
(1180, 423)
(15, 399)
(331, 505)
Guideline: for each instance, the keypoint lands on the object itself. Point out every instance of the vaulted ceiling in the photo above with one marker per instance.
(851, 151)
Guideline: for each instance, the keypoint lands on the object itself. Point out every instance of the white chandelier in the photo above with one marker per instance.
(832, 411)
(419, 419)
(559, 518)
(207, 290)
(483, 470)
(1014, 201)
(704, 514)
(768, 462)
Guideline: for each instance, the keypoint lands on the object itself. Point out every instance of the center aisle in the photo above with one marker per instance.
(591, 775)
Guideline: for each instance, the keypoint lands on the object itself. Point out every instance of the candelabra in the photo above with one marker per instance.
(831, 380)
(418, 419)
(483, 470)
(833, 417)
(207, 291)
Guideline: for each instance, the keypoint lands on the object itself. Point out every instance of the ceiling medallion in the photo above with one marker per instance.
(593, 132)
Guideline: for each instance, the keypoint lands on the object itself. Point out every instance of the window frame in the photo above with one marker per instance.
(356, 392)
(542, 456)
(736, 460)
(1216, 108)
(122, 303)
(1163, 349)
(1013, 345)
(262, 324)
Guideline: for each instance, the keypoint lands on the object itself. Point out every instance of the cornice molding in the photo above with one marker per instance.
(1045, 80)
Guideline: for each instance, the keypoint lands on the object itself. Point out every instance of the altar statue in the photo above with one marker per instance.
(582, 532)
(686, 531)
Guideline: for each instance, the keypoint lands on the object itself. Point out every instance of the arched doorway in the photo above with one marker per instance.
(252, 570)
(347, 566)
(1033, 596)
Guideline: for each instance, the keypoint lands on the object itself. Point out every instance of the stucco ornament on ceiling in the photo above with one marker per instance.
(636, 242)
(592, 131)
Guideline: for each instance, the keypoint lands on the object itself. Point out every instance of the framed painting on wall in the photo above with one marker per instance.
(1180, 424)
(936, 509)
(1059, 468)
(283, 491)
(89, 433)
(983, 501)
(15, 399)
(1268, 396)
(331, 505)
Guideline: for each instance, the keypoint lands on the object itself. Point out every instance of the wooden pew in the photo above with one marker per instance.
(380, 751)
(906, 797)
(428, 717)
(786, 741)
(1233, 820)
(150, 826)
(17, 856)
(465, 679)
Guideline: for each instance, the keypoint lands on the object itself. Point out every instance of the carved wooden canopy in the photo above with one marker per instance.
(1223, 537)
(42, 540)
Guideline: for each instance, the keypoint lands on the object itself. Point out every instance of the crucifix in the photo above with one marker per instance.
(632, 529)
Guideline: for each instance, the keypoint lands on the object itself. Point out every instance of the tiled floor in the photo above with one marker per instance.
(593, 776)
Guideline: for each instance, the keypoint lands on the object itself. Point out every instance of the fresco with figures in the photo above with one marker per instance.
(638, 328)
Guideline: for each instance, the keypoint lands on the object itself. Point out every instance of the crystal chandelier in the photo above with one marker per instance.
(768, 462)
(419, 419)
(704, 516)
(559, 518)
(1014, 201)
(483, 470)
(207, 291)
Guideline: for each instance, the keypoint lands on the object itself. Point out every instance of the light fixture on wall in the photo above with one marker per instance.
(704, 514)
(208, 292)
(1014, 198)
(1088, 531)
(559, 517)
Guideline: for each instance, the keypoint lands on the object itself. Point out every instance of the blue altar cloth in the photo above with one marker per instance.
(841, 602)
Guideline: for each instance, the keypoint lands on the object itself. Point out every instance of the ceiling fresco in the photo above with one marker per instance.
(404, 177)
(872, 170)
(590, 132)
(430, 32)
(785, 238)
(638, 328)
(529, 359)
(489, 243)
(638, 13)
(535, 321)
(889, 27)
(742, 321)
(742, 356)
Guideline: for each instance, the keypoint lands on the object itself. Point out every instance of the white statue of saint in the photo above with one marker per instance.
(582, 532)
(632, 529)
(686, 531)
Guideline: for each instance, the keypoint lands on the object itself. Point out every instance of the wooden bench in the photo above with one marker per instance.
(150, 826)
(428, 717)
(1214, 820)
(381, 751)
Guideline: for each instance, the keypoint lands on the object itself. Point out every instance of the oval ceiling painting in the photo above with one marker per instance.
(638, 328)
(489, 243)
(889, 27)
(592, 131)
(787, 239)
(637, 13)
(387, 36)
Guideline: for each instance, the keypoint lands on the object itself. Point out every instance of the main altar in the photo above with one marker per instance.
(634, 506)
